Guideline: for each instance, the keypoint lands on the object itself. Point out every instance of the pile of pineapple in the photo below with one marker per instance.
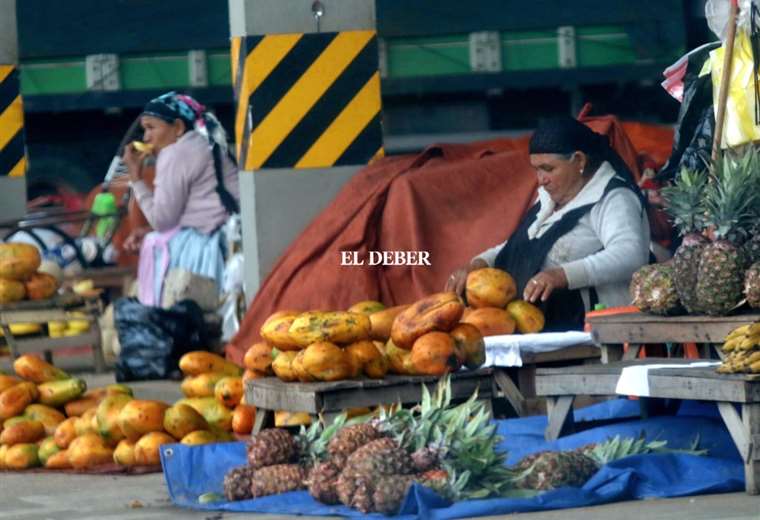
(709, 277)
(742, 349)
(370, 463)
(49, 420)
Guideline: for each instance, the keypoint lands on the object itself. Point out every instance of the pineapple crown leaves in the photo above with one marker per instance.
(312, 442)
(684, 201)
(618, 448)
(731, 200)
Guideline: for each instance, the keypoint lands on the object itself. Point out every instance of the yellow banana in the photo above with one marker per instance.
(739, 331)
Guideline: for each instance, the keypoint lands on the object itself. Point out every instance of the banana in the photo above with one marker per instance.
(755, 367)
(746, 344)
(753, 328)
(731, 344)
(739, 331)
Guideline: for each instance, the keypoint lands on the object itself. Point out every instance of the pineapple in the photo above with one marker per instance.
(752, 246)
(271, 446)
(349, 439)
(321, 482)
(752, 285)
(731, 205)
(684, 203)
(237, 483)
(653, 289)
(280, 478)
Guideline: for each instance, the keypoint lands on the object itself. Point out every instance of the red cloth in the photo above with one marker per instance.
(453, 201)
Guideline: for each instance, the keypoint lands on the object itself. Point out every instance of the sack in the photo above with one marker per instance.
(153, 339)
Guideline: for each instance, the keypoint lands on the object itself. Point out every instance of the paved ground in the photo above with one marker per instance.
(38, 496)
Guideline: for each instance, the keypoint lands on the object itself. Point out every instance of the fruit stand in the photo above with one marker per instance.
(330, 399)
(56, 309)
(560, 386)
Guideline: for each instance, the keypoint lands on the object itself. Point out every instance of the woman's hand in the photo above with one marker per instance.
(541, 286)
(458, 279)
(133, 242)
(133, 160)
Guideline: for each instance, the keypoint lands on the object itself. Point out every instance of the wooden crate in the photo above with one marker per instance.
(330, 399)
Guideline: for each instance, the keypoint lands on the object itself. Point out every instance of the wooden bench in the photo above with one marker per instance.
(331, 399)
(560, 386)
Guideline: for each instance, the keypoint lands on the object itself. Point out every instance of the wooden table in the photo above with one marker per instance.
(53, 309)
(561, 385)
(637, 328)
(331, 399)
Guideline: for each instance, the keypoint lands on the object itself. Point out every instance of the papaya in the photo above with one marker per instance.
(37, 370)
(11, 291)
(3, 451)
(491, 321)
(275, 330)
(65, 433)
(332, 327)
(22, 456)
(471, 348)
(58, 393)
(14, 420)
(396, 358)
(437, 312)
(77, 407)
(40, 286)
(489, 287)
(18, 261)
(47, 449)
(84, 424)
(282, 365)
(7, 381)
(146, 449)
(201, 385)
(229, 391)
(23, 432)
(366, 358)
(434, 354)
(49, 417)
(15, 399)
(199, 437)
(216, 414)
(378, 367)
(326, 361)
(382, 321)
(58, 460)
(242, 418)
(102, 392)
(249, 374)
(139, 417)
(300, 370)
(124, 454)
(181, 419)
(88, 451)
(199, 361)
(107, 416)
(366, 307)
(284, 418)
(259, 357)
(528, 318)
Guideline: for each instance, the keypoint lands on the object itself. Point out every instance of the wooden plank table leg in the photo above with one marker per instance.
(559, 412)
(751, 420)
(97, 350)
(261, 417)
(48, 355)
(510, 391)
(735, 428)
(632, 352)
(611, 353)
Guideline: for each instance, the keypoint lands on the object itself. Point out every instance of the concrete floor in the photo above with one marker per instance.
(43, 496)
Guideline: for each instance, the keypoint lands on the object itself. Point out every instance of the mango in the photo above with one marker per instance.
(65, 433)
(124, 454)
(25, 431)
(47, 448)
(58, 393)
(37, 370)
(107, 416)
(139, 417)
(181, 419)
(229, 391)
(89, 450)
(275, 330)
(216, 414)
(201, 385)
(22, 456)
(199, 361)
(199, 437)
(58, 460)
(147, 448)
(49, 417)
(242, 418)
(15, 399)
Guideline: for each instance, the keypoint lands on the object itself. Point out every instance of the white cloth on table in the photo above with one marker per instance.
(635, 380)
(504, 350)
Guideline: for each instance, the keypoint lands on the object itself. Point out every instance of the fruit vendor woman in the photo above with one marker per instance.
(585, 236)
(195, 192)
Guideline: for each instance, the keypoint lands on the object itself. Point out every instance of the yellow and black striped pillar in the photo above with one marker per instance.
(12, 150)
(307, 100)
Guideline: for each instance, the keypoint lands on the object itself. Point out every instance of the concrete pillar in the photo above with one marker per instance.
(12, 146)
(308, 114)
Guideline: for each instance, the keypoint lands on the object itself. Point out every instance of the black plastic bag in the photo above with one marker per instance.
(153, 339)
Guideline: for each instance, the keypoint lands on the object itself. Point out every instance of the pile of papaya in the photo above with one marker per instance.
(49, 419)
(435, 335)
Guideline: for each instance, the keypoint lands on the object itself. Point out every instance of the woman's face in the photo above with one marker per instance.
(159, 133)
(559, 176)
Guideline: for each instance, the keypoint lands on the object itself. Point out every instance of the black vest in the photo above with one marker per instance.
(523, 258)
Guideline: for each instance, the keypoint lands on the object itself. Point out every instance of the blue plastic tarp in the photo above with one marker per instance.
(193, 470)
